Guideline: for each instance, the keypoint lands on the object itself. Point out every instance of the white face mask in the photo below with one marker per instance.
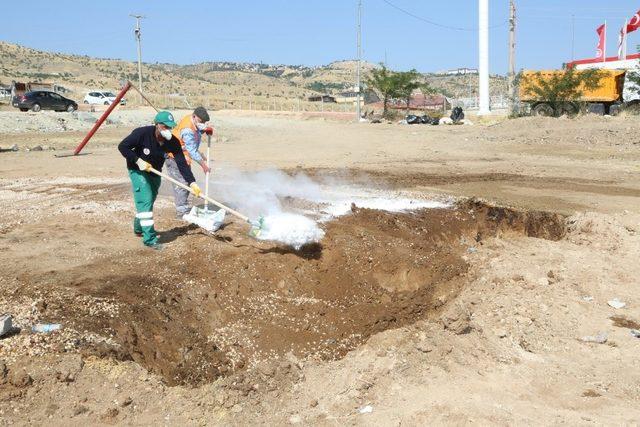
(201, 126)
(166, 134)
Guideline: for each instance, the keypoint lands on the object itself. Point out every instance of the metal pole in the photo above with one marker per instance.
(483, 63)
(512, 54)
(624, 57)
(573, 37)
(604, 48)
(102, 118)
(138, 35)
(358, 70)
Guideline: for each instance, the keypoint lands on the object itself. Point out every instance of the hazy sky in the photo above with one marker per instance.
(315, 32)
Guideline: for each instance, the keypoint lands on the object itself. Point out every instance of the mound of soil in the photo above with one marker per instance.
(217, 306)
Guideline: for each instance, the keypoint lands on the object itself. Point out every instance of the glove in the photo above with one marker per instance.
(143, 166)
(208, 130)
(196, 190)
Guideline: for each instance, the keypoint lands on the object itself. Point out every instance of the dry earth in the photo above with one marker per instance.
(473, 314)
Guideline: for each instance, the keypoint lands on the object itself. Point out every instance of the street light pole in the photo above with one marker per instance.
(138, 33)
(512, 54)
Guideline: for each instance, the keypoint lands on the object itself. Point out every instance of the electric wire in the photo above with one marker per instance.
(436, 24)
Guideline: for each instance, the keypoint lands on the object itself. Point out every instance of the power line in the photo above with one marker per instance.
(435, 24)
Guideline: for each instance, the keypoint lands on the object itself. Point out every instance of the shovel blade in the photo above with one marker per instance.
(206, 219)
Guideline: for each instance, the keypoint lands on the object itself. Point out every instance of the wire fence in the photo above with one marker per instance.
(173, 102)
(495, 103)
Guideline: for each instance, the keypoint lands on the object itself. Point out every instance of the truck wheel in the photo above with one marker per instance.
(570, 109)
(35, 108)
(597, 108)
(542, 109)
(615, 109)
(71, 108)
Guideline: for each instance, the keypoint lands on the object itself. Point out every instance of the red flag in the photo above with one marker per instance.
(602, 31)
(634, 23)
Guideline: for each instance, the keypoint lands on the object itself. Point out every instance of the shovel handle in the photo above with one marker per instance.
(207, 198)
(206, 184)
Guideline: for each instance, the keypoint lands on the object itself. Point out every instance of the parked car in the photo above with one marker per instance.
(102, 98)
(44, 100)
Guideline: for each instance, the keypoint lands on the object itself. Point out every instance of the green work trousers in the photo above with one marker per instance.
(145, 190)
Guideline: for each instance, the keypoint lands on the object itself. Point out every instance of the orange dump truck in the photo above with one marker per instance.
(607, 94)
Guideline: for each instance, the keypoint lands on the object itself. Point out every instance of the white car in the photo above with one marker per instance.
(102, 98)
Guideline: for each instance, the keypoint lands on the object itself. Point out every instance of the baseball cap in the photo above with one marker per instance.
(166, 118)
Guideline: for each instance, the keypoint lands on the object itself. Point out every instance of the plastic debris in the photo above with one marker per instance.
(601, 338)
(587, 298)
(635, 333)
(457, 115)
(366, 409)
(45, 328)
(616, 303)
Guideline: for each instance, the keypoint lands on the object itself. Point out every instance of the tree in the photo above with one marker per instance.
(632, 103)
(384, 81)
(561, 88)
(427, 90)
(406, 83)
(392, 85)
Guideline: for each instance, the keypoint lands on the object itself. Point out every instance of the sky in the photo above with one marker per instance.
(428, 35)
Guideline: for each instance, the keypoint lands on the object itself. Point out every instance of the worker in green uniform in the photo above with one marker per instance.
(145, 148)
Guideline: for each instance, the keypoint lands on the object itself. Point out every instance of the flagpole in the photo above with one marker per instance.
(604, 48)
(624, 47)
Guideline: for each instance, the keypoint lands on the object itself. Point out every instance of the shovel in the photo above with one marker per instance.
(256, 225)
(209, 220)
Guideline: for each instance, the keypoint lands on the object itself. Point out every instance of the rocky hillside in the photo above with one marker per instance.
(216, 84)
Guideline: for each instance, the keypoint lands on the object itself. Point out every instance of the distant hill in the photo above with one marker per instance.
(216, 84)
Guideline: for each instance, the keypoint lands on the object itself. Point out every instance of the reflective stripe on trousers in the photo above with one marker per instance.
(145, 190)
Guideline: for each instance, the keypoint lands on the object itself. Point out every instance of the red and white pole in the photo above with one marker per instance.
(102, 118)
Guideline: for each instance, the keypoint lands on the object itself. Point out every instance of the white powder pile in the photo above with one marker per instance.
(291, 229)
(336, 208)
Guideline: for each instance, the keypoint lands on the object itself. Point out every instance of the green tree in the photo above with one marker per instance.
(385, 82)
(406, 83)
(559, 90)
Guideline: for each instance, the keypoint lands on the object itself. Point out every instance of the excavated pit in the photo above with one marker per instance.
(214, 307)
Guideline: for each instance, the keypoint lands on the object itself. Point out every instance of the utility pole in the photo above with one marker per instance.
(358, 69)
(483, 60)
(512, 55)
(137, 35)
(573, 36)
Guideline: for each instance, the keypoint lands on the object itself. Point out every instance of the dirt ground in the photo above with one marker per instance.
(492, 311)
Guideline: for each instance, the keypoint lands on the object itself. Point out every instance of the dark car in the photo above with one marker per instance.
(44, 100)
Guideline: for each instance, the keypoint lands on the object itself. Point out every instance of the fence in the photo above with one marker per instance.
(173, 102)
(495, 103)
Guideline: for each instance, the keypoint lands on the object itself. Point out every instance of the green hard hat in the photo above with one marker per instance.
(166, 118)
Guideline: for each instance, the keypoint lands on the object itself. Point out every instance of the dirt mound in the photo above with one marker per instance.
(212, 309)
